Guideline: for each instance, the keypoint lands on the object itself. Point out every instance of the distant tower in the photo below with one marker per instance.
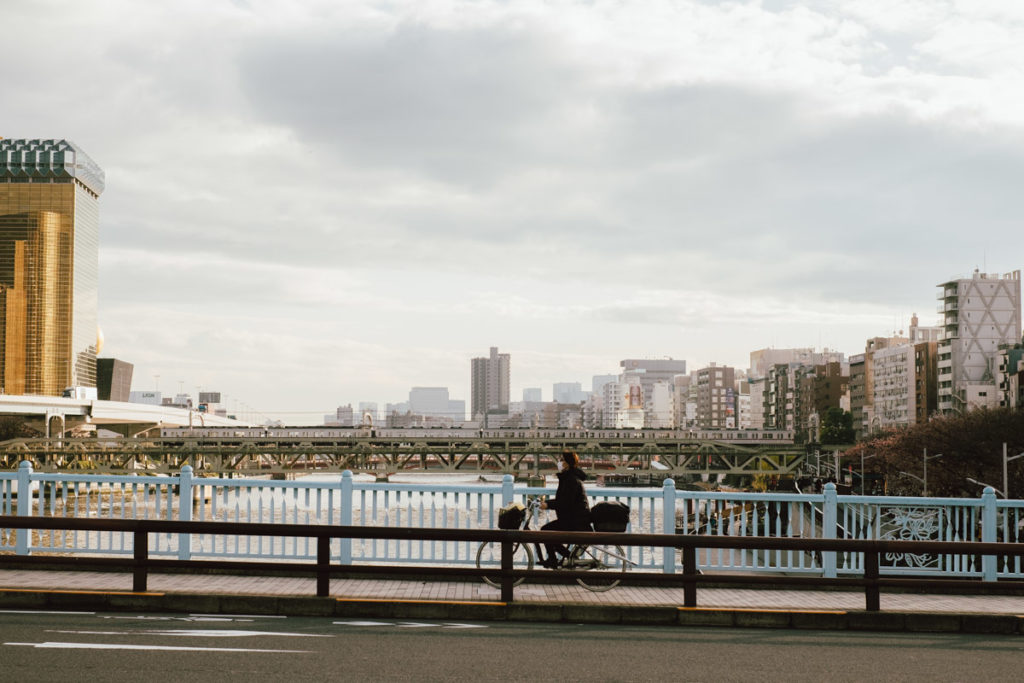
(489, 383)
(49, 257)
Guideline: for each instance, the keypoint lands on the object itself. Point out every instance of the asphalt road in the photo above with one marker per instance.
(49, 646)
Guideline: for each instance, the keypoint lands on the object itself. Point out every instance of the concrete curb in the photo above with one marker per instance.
(833, 620)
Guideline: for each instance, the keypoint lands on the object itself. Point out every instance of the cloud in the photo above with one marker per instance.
(343, 200)
(461, 106)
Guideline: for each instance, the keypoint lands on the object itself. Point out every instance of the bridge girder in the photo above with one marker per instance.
(386, 456)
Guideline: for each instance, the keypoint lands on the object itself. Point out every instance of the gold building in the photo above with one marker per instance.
(49, 254)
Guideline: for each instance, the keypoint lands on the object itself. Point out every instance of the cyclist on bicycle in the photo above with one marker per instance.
(570, 504)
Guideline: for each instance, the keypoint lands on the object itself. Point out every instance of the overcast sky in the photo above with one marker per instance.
(314, 203)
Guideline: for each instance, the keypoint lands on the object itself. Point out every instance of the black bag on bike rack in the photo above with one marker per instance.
(610, 516)
(511, 516)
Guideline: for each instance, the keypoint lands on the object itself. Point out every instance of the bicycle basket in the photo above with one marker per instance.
(511, 516)
(610, 516)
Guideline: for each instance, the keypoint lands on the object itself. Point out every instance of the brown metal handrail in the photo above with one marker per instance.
(141, 564)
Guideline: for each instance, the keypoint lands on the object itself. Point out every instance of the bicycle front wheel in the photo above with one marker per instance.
(488, 556)
(605, 565)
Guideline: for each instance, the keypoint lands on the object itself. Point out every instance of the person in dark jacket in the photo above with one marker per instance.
(570, 504)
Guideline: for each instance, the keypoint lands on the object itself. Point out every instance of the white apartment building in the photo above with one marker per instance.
(893, 394)
(685, 400)
(980, 313)
(623, 405)
(661, 411)
(743, 409)
(755, 416)
(647, 372)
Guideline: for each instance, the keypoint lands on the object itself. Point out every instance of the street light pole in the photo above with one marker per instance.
(924, 480)
(1006, 478)
(862, 459)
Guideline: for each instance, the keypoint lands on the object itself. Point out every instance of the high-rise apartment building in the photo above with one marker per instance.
(980, 314)
(489, 382)
(49, 258)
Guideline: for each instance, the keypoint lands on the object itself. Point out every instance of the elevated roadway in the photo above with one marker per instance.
(55, 416)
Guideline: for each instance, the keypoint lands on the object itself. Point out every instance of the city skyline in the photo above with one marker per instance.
(309, 206)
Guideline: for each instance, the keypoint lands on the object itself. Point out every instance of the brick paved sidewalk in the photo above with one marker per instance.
(539, 593)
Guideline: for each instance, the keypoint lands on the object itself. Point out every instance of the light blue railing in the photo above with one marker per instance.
(344, 500)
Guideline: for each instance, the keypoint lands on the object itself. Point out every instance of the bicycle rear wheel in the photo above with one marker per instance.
(605, 565)
(488, 556)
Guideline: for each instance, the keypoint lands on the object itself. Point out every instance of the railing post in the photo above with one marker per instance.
(140, 574)
(668, 522)
(346, 515)
(507, 489)
(21, 546)
(829, 518)
(323, 566)
(507, 581)
(185, 511)
(871, 597)
(690, 572)
(988, 532)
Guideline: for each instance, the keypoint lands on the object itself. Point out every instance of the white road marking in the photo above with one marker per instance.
(197, 633)
(189, 619)
(37, 611)
(242, 616)
(408, 624)
(120, 646)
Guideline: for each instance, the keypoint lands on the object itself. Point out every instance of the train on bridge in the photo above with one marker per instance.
(733, 436)
(280, 450)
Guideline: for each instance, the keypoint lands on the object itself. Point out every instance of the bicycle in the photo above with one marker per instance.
(607, 562)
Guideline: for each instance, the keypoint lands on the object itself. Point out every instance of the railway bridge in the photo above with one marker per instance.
(249, 455)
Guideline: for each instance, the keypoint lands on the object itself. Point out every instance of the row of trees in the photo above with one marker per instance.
(14, 427)
(970, 446)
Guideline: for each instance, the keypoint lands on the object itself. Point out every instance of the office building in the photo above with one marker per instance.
(429, 401)
(49, 246)
(716, 397)
(980, 314)
(568, 392)
(434, 402)
(489, 383)
(532, 395)
(113, 379)
(344, 416)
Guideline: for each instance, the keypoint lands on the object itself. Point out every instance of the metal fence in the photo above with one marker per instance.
(344, 500)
